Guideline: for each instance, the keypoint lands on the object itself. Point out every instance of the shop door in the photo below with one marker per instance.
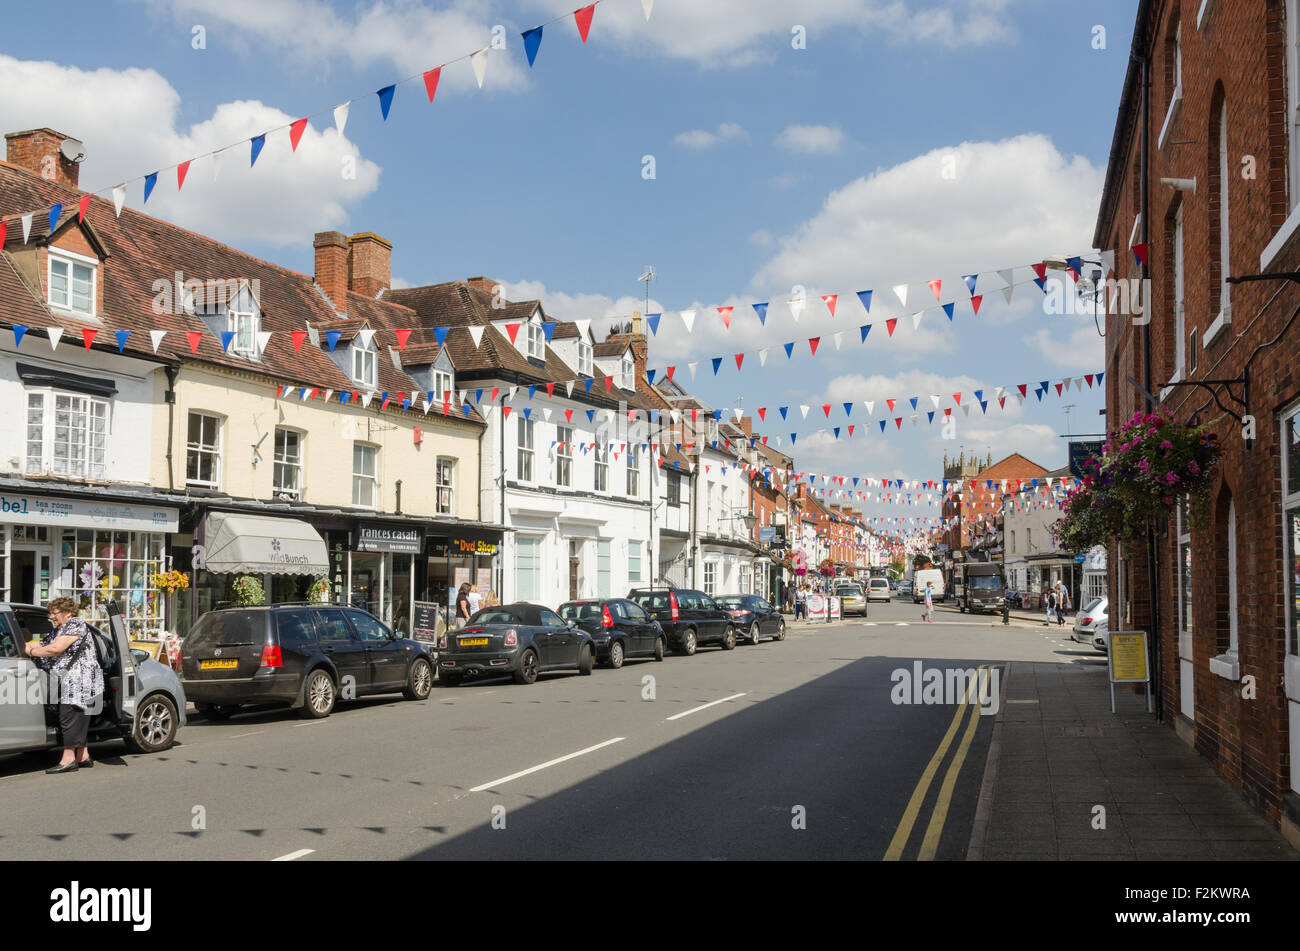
(29, 575)
(574, 562)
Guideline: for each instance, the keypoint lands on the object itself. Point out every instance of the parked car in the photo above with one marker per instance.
(852, 600)
(144, 701)
(753, 616)
(1101, 636)
(619, 629)
(521, 639)
(905, 589)
(1091, 617)
(878, 589)
(299, 655)
(690, 618)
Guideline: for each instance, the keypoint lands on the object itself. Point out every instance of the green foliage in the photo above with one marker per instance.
(248, 591)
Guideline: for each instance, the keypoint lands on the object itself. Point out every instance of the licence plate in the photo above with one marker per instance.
(473, 641)
(230, 664)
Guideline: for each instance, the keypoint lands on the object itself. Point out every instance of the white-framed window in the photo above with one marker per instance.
(67, 434)
(627, 379)
(535, 341)
(287, 477)
(710, 577)
(203, 451)
(365, 364)
(603, 572)
(564, 456)
(584, 358)
(446, 484)
(525, 458)
(1225, 295)
(365, 475)
(633, 475)
(633, 562)
(601, 454)
(1291, 523)
(71, 281)
(1180, 305)
(528, 567)
(442, 386)
(244, 325)
(743, 576)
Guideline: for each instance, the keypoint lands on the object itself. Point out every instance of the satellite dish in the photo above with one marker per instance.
(72, 150)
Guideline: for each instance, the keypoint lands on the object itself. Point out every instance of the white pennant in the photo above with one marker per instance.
(688, 318)
(366, 335)
(513, 391)
(328, 395)
(568, 388)
(55, 334)
(216, 163)
(691, 367)
(366, 397)
(1107, 262)
(546, 411)
(966, 409)
(900, 291)
(839, 337)
(870, 405)
(796, 307)
(584, 327)
(477, 333)
(1008, 291)
(155, 338)
(119, 199)
(463, 394)
(677, 416)
(935, 400)
(263, 338)
(804, 410)
(395, 357)
(762, 357)
(479, 62)
(314, 336)
(341, 117)
(27, 225)
(916, 319)
(647, 6)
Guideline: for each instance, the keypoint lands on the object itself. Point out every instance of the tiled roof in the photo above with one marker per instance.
(609, 348)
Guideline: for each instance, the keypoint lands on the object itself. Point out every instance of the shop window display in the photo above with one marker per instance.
(97, 567)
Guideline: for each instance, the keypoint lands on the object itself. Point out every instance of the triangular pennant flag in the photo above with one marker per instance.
(1058, 389)
(826, 408)
(865, 297)
(976, 301)
(341, 117)
(839, 338)
(913, 400)
(882, 425)
(898, 421)
(512, 330)
(864, 330)
(1023, 387)
(890, 403)
(761, 310)
(19, 330)
(479, 61)
(935, 286)
(587, 384)
(55, 334)
(568, 415)
(255, 148)
(548, 329)
(717, 362)
(829, 300)
(783, 410)
(583, 19)
(263, 338)
(804, 409)
(725, 314)
(970, 280)
(812, 344)
(532, 41)
(155, 338)
(88, 336)
(332, 338)
(900, 291)
(1007, 291)
(956, 398)
(121, 336)
(119, 198)
(916, 319)
(431, 81)
(647, 6)
(691, 367)
(295, 134)
(762, 357)
(948, 308)
(1107, 262)
(688, 318)
(195, 337)
(150, 181)
(890, 324)
(1088, 377)
(1099, 376)
(568, 388)
(1140, 252)
(740, 357)
(216, 163)
(82, 207)
(653, 321)
(227, 336)
(789, 349)
(476, 332)
(669, 372)
(796, 307)
(870, 405)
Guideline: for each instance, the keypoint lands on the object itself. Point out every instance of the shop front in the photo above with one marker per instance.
(94, 549)
(380, 575)
(462, 556)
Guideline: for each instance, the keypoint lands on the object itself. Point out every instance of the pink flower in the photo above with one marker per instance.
(1170, 478)
(1193, 468)
(1166, 444)
(1144, 465)
(1124, 448)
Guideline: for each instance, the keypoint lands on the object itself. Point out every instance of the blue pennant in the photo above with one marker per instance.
(428, 397)
(848, 409)
(653, 321)
(589, 381)
(440, 335)
(149, 182)
(793, 437)
(532, 391)
(478, 397)
(226, 337)
(984, 406)
(386, 99)
(56, 209)
(1099, 376)
(913, 402)
(789, 349)
(866, 329)
(1076, 264)
(591, 415)
(332, 338)
(717, 362)
(532, 40)
(761, 310)
(837, 432)
(528, 411)
(865, 297)
(121, 336)
(947, 309)
(783, 411)
(257, 142)
(19, 330)
(650, 376)
(548, 328)
(970, 280)
(717, 414)
(882, 425)
(930, 413)
(979, 395)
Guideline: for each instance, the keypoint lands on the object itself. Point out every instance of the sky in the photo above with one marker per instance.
(746, 149)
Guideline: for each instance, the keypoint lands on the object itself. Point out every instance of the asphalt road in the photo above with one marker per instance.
(790, 750)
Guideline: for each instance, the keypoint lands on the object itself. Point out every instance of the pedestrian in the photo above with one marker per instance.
(475, 599)
(1048, 600)
(490, 600)
(801, 602)
(1006, 605)
(462, 605)
(401, 623)
(68, 653)
(1062, 602)
(928, 614)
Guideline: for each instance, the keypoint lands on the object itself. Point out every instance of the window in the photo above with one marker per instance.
(1225, 297)
(527, 567)
(584, 358)
(442, 386)
(287, 478)
(674, 488)
(710, 577)
(535, 343)
(1029, 539)
(1011, 541)
(564, 456)
(113, 566)
(633, 562)
(627, 379)
(72, 282)
(525, 460)
(602, 467)
(1291, 522)
(243, 324)
(446, 479)
(364, 364)
(367, 628)
(1180, 318)
(66, 434)
(365, 477)
(743, 573)
(602, 568)
(633, 476)
(203, 451)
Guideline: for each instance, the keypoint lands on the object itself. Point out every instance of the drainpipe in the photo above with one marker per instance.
(172, 370)
(399, 497)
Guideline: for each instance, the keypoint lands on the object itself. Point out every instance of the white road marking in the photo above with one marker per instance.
(532, 769)
(713, 703)
(311, 723)
(294, 855)
(901, 624)
(254, 733)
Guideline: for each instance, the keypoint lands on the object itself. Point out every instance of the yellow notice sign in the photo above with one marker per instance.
(1128, 657)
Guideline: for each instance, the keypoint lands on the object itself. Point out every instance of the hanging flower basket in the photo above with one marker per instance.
(170, 582)
(1144, 470)
(248, 591)
(800, 563)
(827, 568)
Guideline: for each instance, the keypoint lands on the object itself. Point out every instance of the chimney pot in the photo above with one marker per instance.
(37, 150)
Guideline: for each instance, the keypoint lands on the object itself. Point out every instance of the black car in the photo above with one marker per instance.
(521, 639)
(303, 656)
(619, 628)
(753, 616)
(690, 618)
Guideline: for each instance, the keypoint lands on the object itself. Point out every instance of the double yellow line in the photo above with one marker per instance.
(930, 844)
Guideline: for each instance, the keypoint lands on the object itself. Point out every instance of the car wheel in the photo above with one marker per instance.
(615, 655)
(216, 711)
(729, 639)
(318, 695)
(155, 725)
(688, 642)
(420, 681)
(659, 649)
(587, 660)
(527, 672)
(780, 631)
(754, 635)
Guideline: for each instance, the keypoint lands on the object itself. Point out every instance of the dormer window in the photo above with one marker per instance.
(72, 282)
(243, 324)
(584, 358)
(364, 364)
(627, 380)
(535, 343)
(442, 385)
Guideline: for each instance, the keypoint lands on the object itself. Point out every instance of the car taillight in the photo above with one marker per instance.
(442, 642)
(271, 656)
(605, 619)
(672, 603)
(735, 613)
(1086, 620)
(512, 638)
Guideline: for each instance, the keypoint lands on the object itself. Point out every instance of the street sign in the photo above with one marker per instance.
(1080, 558)
(1126, 661)
(767, 533)
(1081, 452)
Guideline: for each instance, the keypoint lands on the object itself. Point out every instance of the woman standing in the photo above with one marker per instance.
(490, 600)
(68, 653)
(462, 605)
(475, 599)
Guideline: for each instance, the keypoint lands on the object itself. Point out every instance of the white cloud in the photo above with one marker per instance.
(703, 139)
(811, 139)
(1078, 348)
(128, 122)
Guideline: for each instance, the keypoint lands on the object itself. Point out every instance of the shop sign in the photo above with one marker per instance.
(85, 513)
(387, 538)
(471, 546)
(426, 622)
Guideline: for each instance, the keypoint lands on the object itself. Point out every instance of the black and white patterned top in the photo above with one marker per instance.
(80, 677)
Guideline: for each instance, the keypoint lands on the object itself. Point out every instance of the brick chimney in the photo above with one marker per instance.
(332, 267)
(485, 284)
(370, 264)
(747, 425)
(37, 150)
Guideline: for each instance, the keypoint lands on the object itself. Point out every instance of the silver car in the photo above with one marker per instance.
(1093, 617)
(852, 600)
(144, 703)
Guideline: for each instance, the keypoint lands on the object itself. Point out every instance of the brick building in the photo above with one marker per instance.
(1204, 171)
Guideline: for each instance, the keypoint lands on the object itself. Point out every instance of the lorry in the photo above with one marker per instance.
(984, 588)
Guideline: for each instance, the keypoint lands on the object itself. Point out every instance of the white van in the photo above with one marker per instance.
(932, 575)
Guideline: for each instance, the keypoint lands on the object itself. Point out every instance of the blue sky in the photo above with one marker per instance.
(774, 166)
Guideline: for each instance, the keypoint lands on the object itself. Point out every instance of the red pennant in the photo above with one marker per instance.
(431, 81)
(812, 344)
(550, 389)
(891, 404)
(898, 420)
(975, 303)
(762, 413)
(195, 337)
(1140, 252)
(312, 394)
(568, 415)
(181, 171)
(1058, 389)
(695, 416)
(1088, 377)
(934, 286)
(505, 411)
(609, 383)
(83, 206)
(829, 300)
(764, 440)
(726, 316)
(956, 398)
(402, 337)
(295, 134)
(583, 19)
(513, 331)
(1023, 388)
(298, 337)
(1002, 402)
(826, 408)
(4, 227)
(496, 390)
(88, 336)
(1040, 270)
(740, 358)
(850, 430)
(669, 372)
(890, 324)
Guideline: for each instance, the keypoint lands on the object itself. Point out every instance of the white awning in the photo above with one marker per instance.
(255, 544)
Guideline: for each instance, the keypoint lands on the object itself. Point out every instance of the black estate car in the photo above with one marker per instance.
(619, 628)
(520, 639)
(690, 618)
(304, 656)
(755, 618)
